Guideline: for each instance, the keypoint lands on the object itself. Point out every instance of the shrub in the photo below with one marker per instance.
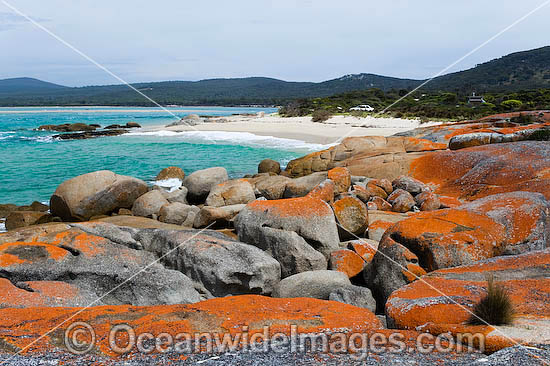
(523, 118)
(541, 135)
(321, 115)
(495, 308)
(512, 104)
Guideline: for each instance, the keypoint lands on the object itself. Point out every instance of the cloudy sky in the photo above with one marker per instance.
(298, 40)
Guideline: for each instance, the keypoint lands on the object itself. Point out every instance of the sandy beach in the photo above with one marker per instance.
(302, 128)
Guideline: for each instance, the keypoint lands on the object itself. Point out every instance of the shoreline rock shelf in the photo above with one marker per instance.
(339, 236)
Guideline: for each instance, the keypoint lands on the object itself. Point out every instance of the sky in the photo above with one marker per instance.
(293, 40)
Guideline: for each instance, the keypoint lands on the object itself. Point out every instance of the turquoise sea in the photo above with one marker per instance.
(33, 164)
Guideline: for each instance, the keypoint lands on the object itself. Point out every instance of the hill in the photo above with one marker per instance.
(521, 70)
(27, 86)
(526, 70)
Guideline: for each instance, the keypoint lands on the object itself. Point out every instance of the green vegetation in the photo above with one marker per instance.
(495, 308)
(527, 70)
(424, 105)
(321, 115)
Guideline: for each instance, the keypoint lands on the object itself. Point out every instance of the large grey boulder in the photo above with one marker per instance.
(314, 284)
(310, 218)
(83, 270)
(95, 194)
(229, 193)
(201, 182)
(293, 253)
(300, 187)
(178, 213)
(223, 266)
(354, 295)
(149, 204)
(177, 195)
(271, 187)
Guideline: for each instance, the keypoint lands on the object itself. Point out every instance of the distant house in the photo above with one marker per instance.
(363, 108)
(476, 99)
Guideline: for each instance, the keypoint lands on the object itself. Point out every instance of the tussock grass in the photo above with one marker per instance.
(495, 308)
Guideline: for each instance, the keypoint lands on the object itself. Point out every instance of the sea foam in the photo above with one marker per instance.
(171, 184)
(234, 138)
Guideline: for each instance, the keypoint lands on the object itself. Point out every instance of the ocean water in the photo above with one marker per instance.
(33, 164)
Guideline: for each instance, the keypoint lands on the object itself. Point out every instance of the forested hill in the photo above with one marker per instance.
(519, 71)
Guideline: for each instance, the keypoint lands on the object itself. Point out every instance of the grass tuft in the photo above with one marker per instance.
(495, 308)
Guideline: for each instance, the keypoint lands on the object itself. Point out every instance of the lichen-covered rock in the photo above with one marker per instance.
(503, 224)
(222, 265)
(149, 204)
(236, 314)
(477, 172)
(365, 248)
(445, 298)
(381, 204)
(172, 172)
(369, 156)
(352, 216)
(383, 183)
(94, 194)
(428, 201)
(347, 261)
(325, 191)
(310, 218)
(362, 193)
(200, 183)
(401, 201)
(229, 193)
(375, 190)
(87, 268)
(341, 178)
(411, 185)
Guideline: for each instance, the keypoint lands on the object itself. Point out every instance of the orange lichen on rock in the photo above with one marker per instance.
(481, 171)
(341, 178)
(364, 249)
(292, 207)
(444, 299)
(449, 202)
(37, 293)
(446, 237)
(347, 261)
(222, 315)
(413, 144)
(21, 252)
(324, 191)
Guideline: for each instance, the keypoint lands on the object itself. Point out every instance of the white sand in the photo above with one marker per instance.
(302, 128)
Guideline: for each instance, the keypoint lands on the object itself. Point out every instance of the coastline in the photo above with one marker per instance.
(300, 128)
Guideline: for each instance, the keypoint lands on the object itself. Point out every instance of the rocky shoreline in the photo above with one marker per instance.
(375, 235)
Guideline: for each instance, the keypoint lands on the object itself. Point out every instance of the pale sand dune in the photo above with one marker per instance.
(302, 128)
